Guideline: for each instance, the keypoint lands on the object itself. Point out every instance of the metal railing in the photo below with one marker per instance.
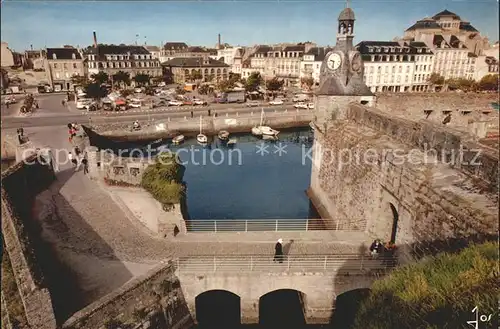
(267, 225)
(352, 264)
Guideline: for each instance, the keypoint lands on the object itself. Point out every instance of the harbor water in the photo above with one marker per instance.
(254, 179)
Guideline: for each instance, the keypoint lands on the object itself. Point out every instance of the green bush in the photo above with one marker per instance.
(438, 292)
(163, 179)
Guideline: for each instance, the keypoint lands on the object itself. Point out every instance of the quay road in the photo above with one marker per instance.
(58, 119)
(52, 113)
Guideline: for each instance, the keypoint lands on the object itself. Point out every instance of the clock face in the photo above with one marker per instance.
(356, 63)
(333, 61)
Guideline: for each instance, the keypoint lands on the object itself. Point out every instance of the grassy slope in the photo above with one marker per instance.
(436, 293)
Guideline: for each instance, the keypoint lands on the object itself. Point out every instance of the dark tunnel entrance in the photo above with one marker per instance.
(283, 308)
(346, 307)
(218, 309)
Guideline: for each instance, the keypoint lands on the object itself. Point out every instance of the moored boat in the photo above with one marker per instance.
(256, 131)
(201, 138)
(178, 139)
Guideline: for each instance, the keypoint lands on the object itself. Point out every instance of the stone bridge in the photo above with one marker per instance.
(246, 286)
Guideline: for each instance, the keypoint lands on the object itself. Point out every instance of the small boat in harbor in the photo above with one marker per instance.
(223, 135)
(261, 130)
(178, 139)
(201, 138)
(156, 143)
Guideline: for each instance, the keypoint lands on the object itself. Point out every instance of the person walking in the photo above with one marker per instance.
(376, 248)
(85, 164)
(278, 251)
(72, 159)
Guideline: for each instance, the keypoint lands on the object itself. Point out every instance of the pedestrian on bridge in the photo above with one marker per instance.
(278, 251)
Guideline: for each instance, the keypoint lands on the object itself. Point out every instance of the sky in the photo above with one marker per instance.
(240, 22)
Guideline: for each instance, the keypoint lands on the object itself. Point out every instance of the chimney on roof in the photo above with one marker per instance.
(218, 41)
(31, 47)
(95, 39)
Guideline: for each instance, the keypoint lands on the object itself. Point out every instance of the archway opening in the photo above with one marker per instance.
(395, 219)
(346, 307)
(218, 309)
(284, 308)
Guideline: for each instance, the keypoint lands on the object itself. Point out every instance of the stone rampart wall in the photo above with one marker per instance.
(452, 146)
(430, 199)
(152, 301)
(20, 184)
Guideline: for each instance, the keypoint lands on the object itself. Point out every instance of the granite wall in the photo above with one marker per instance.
(370, 170)
(152, 301)
(20, 184)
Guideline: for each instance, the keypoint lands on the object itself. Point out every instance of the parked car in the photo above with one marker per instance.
(187, 102)
(83, 103)
(135, 104)
(253, 104)
(310, 106)
(197, 101)
(138, 90)
(300, 105)
(175, 103)
(276, 102)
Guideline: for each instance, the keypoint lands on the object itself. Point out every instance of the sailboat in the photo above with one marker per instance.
(261, 130)
(201, 138)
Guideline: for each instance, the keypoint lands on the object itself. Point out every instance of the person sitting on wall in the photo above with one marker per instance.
(376, 248)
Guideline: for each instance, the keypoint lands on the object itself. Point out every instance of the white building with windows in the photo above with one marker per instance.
(311, 63)
(228, 54)
(396, 66)
(131, 59)
(282, 62)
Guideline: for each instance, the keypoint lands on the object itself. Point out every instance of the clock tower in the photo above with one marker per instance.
(341, 76)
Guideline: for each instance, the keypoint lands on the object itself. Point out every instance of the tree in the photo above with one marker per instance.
(234, 77)
(210, 78)
(274, 84)
(196, 75)
(436, 79)
(225, 85)
(78, 80)
(489, 82)
(308, 82)
(95, 91)
(121, 78)
(142, 79)
(100, 78)
(253, 82)
(204, 89)
(461, 84)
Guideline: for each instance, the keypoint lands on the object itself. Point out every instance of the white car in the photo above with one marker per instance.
(138, 90)
(310, 106)
(252, 104)
(300, 106)
(276, 102)
(83, 103)
(175, 103)
(199, 102)
(135, 104)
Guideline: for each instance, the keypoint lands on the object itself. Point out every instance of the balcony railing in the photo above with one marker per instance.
(341, 264)
(266, 225)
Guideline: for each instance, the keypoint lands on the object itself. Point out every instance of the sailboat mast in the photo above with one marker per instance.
(200, 123)
(261, 116)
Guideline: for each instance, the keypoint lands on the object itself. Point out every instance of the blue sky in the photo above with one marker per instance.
(56, 23)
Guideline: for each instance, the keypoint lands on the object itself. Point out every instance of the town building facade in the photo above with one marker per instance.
(311, 63)
(228, 54)
(396, 66)
(170, 49)
(130, 59)
(182, 68)
(154, 51)
(62, 65)
(9, 58)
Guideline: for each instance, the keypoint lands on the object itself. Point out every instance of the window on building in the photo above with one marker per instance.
(398, 79)
(407, 69)
(379, 69)
(54, 65)
(406, 78)
(74, 65)
(387, 69)
(57, 75)
(65, 66)
(371, 69)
